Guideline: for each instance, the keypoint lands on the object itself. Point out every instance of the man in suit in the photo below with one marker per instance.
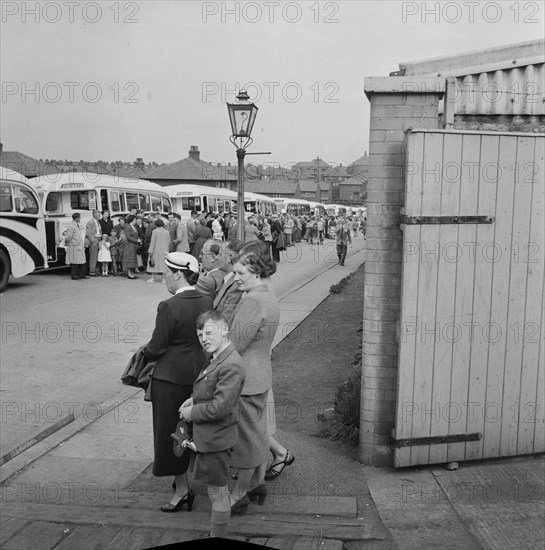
(181, 241)
(191, 226)
(232, 230)
(93, 234)
(277, 233)
(228, 295)
(343, 238)
(213, 411)
(172, 229)
(75, 251)
(212, 274)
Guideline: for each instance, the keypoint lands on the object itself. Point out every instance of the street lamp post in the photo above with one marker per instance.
(242, 117)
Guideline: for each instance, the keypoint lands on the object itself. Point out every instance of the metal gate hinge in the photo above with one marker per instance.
(421, 220)
(435, 440)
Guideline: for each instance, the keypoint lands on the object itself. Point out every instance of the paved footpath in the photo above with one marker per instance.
(85, 487)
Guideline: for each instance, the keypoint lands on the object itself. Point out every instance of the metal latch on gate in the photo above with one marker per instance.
(420, 220)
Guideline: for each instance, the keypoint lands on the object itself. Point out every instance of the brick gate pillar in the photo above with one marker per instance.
(397, 104)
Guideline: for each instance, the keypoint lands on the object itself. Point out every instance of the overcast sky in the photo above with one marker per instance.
(120, 80)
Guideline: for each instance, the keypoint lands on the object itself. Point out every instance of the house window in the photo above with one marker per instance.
(307, 194)
(278, 196)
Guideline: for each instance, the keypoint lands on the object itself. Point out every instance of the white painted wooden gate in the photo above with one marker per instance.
(471, 348)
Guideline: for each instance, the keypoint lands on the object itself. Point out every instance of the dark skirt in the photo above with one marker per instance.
(166, 399)
(129, 255)
(252, 447)
(211, 467)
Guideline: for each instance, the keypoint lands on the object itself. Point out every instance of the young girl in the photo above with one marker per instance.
(104, 256)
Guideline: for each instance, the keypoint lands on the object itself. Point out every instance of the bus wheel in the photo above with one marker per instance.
(5, 269)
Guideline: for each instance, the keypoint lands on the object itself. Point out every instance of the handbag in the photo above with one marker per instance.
(138, 371)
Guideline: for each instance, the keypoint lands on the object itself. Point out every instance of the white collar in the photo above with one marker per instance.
(184, 288)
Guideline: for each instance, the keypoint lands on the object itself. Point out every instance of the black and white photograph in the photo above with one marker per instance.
(272, 274)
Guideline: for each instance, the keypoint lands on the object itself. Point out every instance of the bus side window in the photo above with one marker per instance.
(167, 207)
(79, 200)
(144, 202)
(53, 203)
(27, 203)
(6, 203)
(114, 198)
(132, 201)
(104, 199)
(155, 203)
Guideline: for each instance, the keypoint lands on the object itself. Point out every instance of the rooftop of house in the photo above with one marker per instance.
(358, 179)
(268, 186)
(361, 161)
(311, 164)
(26, 165)
(193, 168)
(307, 186)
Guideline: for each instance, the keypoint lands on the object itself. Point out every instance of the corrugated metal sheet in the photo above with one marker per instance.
(516, 91)
(506, 80)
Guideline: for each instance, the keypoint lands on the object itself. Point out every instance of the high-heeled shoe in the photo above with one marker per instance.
(259, 494)
(240, 506)
(273, 473)
(188, 499)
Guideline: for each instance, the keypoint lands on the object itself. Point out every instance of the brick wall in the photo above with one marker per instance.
(394, 110)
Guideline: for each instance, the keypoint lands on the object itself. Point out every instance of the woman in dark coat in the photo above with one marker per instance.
(131, 245)
(277, 238)
(202, 234)
(106, 223)
(176, 348)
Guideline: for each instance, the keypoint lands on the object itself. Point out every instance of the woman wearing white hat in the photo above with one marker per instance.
(175, 347)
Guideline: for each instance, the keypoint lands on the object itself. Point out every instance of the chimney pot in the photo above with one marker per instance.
(194, 153)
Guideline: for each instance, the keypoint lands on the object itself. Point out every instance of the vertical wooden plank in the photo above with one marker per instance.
(446, 290)
(480, 317)
(539, 425)
(515, 329)
(463, 301)
(531, 414)
(427, 298)
(494, 331)
(409, 322)
(414, 173)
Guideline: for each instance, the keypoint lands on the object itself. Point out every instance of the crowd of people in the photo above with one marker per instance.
(138, 243)
(211, 391)
(212, 345)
